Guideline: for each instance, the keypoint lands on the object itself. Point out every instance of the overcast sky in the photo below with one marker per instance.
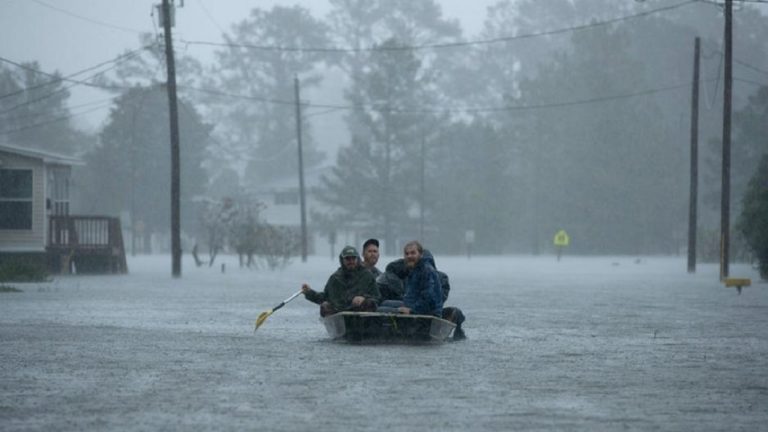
(72, 35)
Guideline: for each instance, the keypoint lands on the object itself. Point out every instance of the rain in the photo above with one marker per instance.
(590, 175)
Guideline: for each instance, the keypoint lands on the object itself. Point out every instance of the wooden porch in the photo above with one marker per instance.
(86, 244)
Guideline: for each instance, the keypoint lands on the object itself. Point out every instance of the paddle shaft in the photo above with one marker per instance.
(264, 315)
(283, 303)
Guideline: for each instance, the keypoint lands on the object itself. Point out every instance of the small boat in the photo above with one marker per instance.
(378, 327)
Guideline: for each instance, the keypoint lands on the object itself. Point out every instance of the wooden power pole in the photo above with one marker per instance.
(725, 202)
(693, 199)
(302, 199)
(175, 168)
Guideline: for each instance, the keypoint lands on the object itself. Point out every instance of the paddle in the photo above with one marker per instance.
(264, 315)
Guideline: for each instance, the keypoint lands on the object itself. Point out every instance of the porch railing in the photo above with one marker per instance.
(88, 239)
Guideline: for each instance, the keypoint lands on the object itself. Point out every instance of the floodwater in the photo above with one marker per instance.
(599, 343)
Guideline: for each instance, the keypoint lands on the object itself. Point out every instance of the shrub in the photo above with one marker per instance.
(15, 271)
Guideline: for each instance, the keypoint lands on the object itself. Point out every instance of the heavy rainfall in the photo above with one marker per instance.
(591, 175)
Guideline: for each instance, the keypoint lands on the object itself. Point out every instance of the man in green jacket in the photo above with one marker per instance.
(350, 288)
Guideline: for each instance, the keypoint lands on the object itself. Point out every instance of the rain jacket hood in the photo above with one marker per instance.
(427, 256)
(391, 283)
(423, 292)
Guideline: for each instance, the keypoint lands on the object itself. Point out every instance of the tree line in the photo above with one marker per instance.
(557, 115)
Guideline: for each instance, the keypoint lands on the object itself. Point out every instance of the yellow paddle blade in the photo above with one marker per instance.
(262, 317)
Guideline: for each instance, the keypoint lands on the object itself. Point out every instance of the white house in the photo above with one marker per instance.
(36, 227)
(283, 208)
(33, 185)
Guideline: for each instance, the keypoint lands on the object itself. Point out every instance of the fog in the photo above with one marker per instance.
(540, 149)
(69, 37)
(476, 129)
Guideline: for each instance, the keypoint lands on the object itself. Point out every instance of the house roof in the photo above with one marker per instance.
(45, 156)
(311, 179)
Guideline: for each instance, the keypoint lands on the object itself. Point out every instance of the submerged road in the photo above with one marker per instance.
(591, 344)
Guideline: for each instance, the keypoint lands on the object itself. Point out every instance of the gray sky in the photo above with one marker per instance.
(72, 35)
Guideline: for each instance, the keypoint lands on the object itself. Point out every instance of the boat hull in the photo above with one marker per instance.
(377, 327)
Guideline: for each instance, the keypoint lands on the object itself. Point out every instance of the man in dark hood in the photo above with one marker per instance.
(350, 288)
(423, 293)
(391, 284)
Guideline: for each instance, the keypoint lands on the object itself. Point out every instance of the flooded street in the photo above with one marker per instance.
(599, 343)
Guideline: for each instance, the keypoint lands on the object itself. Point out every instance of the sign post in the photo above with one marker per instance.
(561, 240)
(469, 239)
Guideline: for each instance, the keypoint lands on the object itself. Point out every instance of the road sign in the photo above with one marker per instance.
(562, 239)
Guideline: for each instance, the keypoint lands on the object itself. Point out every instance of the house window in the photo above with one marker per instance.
(15, 199)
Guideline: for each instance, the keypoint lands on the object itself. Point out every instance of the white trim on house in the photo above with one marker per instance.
(48, 158)
(41, 164)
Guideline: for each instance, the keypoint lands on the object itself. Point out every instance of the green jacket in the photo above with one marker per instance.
(343, 285)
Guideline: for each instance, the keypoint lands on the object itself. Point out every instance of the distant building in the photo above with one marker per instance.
(36, 227)
(33, 185)
(283, 208)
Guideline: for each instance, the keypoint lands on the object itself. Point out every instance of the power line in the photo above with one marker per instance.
(746, 81)
(209, 16)
(331, 107)
(749, 66)
(36, 115)
(445, 44)
(90, 20)
(53, 120)
(63, 89)
(100, 104)
(566, 103)
(68, 78)
(716, 3)
(260, 99)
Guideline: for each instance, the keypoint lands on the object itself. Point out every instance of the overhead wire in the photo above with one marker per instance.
(746, 81)
(65, 88)
(333, 107)
(69, 78)
(409, 111)
(103, 105)
(91, 20)
(716, 3)
(209, 16)
(100, 104)
(443, 45)
(417, 110)
(709, 100)
(46, 96)
(749, 66)
(52, 121)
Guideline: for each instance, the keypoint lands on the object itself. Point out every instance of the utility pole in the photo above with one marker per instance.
(422, 188)
(693, 198)
(725, 202)
(534, 188)
(174, 124)
(302, 199)
(389, 242)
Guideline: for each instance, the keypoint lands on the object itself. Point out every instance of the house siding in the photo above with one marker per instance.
(32, 240)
